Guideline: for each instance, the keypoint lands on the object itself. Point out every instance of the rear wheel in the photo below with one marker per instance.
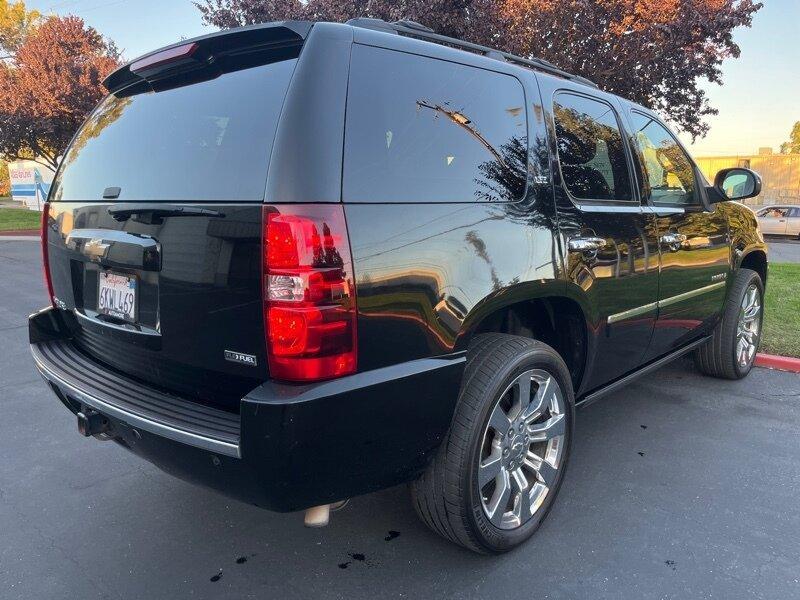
(731, 352)
(497, 473)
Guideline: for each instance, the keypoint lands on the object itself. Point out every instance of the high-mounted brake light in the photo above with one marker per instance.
(48, 281)
(309, 294)
(172, 57)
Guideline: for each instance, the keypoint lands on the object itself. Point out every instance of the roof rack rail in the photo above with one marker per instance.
(417, 30)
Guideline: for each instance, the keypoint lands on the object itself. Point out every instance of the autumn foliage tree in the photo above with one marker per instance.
(49, 87)
(16, 22)
(655, 52)
(5, 183)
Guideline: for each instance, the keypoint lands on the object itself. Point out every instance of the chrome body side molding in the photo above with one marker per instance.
(646, 308)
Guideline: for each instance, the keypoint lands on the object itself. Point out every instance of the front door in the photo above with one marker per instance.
(610, 240)
(773, 220)
(694, 242)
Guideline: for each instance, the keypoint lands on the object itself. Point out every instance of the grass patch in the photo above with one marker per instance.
(782, 311)
(14, 219)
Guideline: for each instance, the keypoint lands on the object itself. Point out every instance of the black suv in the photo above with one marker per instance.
(297, 262)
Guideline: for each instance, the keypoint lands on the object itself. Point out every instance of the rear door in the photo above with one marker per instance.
(155, 243)
(610, 239)
(793, 222)
(694, 241)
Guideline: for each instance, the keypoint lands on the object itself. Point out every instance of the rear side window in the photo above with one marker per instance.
(209, 141)
(425, 130)
(590, 149)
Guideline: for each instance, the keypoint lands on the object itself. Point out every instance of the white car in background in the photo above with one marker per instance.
(779, 220)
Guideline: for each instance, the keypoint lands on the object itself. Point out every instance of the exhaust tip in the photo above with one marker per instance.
(318, 516)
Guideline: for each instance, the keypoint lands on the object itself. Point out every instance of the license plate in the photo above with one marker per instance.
(116, 296)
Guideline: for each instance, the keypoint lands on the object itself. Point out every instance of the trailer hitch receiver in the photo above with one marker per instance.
(91, 423)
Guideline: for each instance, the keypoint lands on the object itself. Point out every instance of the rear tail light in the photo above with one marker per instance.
(48, 281)
(309, 293)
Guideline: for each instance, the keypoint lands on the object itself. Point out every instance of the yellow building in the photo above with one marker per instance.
(780, 174)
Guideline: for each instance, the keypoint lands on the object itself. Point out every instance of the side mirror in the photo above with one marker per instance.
(735, 184)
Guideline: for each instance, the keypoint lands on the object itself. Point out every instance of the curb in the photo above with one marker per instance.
(20, 232)
(19, 238)
(782, 363)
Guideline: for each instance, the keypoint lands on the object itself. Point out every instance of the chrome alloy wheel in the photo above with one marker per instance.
(522, 448)
(748, 329)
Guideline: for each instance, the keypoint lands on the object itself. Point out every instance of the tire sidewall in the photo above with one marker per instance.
(541, 357)
(751, 277)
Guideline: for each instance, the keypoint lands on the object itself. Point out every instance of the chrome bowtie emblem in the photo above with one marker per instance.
(95, 249)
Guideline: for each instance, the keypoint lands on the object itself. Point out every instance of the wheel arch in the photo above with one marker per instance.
(548, 315)
(755, 260)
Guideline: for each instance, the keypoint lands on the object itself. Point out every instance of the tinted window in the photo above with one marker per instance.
(775, 213)
(669, 175)
(426, 130)
(590, 149)
(206, 141)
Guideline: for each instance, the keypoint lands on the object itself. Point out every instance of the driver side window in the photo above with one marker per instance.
(669, 175)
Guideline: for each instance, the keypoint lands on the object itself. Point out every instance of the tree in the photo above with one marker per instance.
(793, 145)
(15, 23)
(5, 182)
(52, 83)
(655, 52)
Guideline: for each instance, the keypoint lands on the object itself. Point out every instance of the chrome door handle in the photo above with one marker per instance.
(586, 244)
(674, 241)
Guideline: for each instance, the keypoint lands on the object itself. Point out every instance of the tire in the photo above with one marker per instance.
(720, 357)
(448, 496)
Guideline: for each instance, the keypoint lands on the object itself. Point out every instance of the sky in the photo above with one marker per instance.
(758, 101)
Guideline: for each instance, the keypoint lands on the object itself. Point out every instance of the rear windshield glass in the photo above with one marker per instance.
(209, 141)
(425, 130)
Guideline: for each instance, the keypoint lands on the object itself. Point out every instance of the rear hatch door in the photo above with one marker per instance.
(155, 218)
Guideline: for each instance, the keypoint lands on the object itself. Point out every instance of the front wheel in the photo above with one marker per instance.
(499, 469)
(731, 352)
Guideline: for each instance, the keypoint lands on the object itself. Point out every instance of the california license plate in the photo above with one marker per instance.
(116, 296)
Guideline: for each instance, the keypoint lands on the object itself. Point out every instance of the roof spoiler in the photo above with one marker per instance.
(207, 50)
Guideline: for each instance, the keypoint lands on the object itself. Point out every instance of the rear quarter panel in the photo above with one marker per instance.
(427, 273)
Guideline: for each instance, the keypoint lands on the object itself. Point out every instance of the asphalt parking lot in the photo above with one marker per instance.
(782, 250)
(679, 487)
